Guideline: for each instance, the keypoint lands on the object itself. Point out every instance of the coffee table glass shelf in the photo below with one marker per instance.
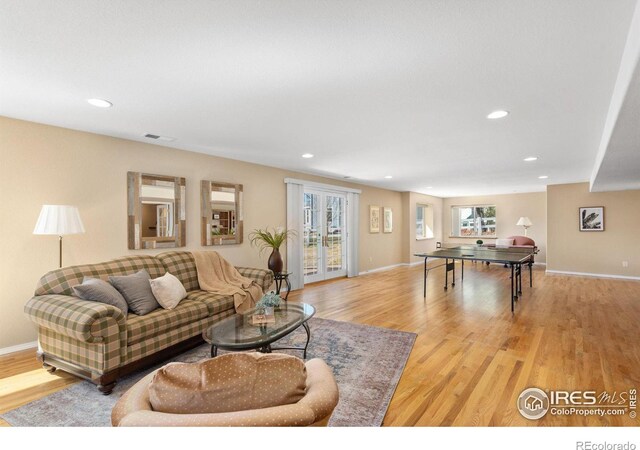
(239, 333)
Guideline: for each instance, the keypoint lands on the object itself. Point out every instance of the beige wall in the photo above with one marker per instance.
(422, 245)
(509, 208)
(571, 250)
(42, 164)
(380, 249)
(48, 165)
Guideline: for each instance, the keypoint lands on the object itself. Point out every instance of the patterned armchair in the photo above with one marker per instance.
(96, 342)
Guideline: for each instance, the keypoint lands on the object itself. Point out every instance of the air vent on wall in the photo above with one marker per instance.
(159, 138)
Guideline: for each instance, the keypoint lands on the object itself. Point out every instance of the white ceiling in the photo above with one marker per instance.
(371, 88)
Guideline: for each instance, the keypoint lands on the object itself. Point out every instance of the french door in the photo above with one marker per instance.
(325, 235)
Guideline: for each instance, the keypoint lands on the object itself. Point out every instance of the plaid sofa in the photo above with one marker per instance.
(96, 341)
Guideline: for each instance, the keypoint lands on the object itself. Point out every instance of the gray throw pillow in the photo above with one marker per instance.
(136, 290)
(97, 290)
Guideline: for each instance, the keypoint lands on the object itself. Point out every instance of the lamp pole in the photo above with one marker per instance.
(59, 220)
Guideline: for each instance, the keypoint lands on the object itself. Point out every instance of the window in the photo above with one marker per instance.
(473, 221)
(424, 222)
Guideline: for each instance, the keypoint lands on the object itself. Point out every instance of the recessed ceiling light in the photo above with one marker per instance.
(100, 103)
(498, 114)
(388, 177)
(543, 177)
(429, 187)
(307, 155)
(531, 158)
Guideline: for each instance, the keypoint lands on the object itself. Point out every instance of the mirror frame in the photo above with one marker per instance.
(134, 212)
(206, 238)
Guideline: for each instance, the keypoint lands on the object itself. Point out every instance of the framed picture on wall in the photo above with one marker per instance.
(374, 219)
(591, 218)
(388, 221)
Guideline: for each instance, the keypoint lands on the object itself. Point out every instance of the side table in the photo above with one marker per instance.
(279, 277)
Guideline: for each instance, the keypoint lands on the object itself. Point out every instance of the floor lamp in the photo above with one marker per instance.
(524, 222)
(59, 220)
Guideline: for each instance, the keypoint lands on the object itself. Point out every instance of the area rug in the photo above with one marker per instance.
(367, 363)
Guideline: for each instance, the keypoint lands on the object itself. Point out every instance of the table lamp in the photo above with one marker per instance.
(59, 220)
(524, 222)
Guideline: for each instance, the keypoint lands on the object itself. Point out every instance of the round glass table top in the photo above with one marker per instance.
(240, 332)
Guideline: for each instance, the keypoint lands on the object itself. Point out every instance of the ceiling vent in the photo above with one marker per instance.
(159, 138)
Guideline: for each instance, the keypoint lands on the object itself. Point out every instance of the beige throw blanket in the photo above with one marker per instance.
(217, 275)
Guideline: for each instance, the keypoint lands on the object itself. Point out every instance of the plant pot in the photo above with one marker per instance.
(275, 262)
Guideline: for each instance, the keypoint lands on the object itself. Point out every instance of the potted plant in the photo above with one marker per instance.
(271, 239)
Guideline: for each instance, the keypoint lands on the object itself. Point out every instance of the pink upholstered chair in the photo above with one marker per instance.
(522, 241)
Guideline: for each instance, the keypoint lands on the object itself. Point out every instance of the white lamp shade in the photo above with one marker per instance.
(524, 222)
(59, 220)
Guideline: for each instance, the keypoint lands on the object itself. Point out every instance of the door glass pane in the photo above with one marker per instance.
(335, 229)
(312, 234)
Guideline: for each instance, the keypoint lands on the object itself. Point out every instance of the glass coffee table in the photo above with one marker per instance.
(239, 333)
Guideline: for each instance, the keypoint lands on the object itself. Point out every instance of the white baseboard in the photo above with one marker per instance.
(382, 269)
(458, 261)
(412, 264)
(595, 275)
(19, 347)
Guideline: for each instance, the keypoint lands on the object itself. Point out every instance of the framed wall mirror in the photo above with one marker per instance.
(222, 217)
(156, 211)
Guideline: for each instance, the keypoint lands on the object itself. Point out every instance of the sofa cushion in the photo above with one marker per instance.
(168, 290)
(61, 281)
(183, 266)
(231, 382)
(97, 290)
(136, 290)
(163, 320)
(216, 303)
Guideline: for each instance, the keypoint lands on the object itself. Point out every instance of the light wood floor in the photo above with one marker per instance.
(472, 357)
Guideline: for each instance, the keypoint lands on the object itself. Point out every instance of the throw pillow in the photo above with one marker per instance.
(504, 242)
(231, 382)
(97, 290)
(168, 290)
(136, 290)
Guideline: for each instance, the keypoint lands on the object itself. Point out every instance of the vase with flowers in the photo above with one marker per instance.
(271, 239)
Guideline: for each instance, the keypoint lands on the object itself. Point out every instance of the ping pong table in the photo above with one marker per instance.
(513, 257)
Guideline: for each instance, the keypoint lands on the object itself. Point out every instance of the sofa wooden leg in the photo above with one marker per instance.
(46, 366)
(107, 382)
(106, 389)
